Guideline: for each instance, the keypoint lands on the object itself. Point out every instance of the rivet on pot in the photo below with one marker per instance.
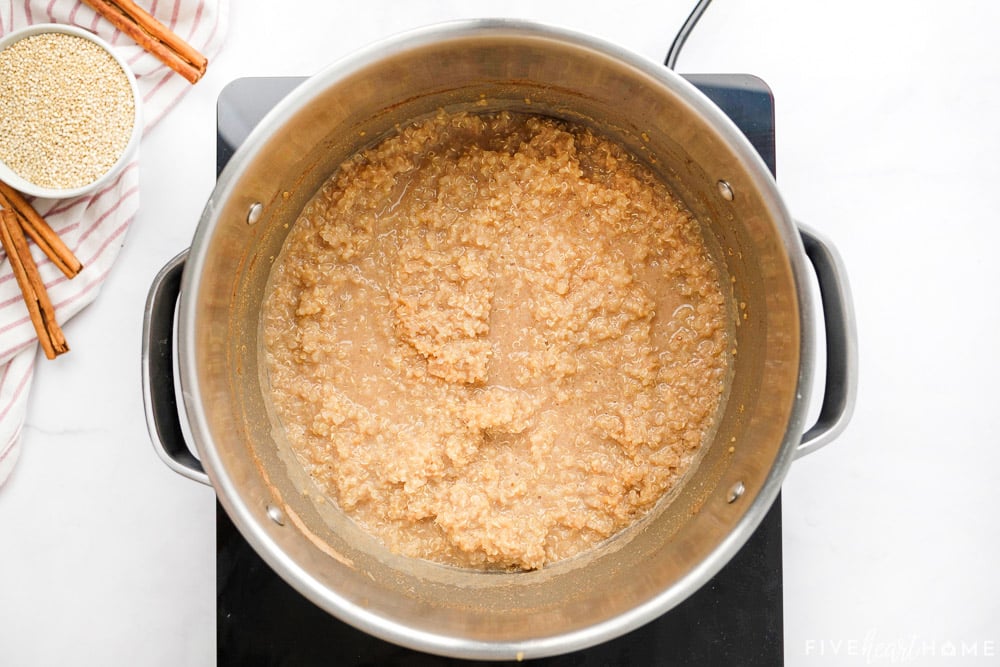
(735, 491)
(275, 514)
(726, 191)
(253, 215)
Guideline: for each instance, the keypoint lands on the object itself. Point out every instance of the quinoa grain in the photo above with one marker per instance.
(66, 110)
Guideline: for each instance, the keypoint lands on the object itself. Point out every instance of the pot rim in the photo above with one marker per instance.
(365, 619)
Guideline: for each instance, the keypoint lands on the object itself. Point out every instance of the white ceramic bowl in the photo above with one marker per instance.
(19, 183)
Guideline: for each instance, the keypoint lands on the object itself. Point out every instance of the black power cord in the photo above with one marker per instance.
(682, 34)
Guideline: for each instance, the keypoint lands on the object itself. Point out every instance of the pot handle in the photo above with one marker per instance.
(158, 393)
(841, 385)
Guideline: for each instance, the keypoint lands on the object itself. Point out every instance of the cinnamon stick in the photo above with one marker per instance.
(39, 231)
(43, 316)
(153, 36)
(167, 36)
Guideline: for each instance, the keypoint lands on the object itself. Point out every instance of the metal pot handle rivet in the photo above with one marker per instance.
(735, 491)
(726, 191)
(256, 210)
(275, 514)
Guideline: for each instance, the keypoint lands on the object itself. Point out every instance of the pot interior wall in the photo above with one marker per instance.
(348, 107)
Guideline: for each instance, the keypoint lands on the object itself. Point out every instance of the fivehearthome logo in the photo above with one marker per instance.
(875, 650)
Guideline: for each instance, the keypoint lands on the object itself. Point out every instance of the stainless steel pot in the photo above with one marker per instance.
(572, 604)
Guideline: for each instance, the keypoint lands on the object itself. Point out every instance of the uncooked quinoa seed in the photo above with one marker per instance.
(66, 110)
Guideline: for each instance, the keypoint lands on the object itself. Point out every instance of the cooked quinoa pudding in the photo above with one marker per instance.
(495, 340)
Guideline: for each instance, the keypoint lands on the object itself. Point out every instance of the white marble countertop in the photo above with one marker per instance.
(887, 142)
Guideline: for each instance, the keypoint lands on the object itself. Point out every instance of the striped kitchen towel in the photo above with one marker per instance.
(93, 226)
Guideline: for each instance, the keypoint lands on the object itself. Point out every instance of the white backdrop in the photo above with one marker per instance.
(887, 142)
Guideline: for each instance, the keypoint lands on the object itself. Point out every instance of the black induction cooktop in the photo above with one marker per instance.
(735, 619)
